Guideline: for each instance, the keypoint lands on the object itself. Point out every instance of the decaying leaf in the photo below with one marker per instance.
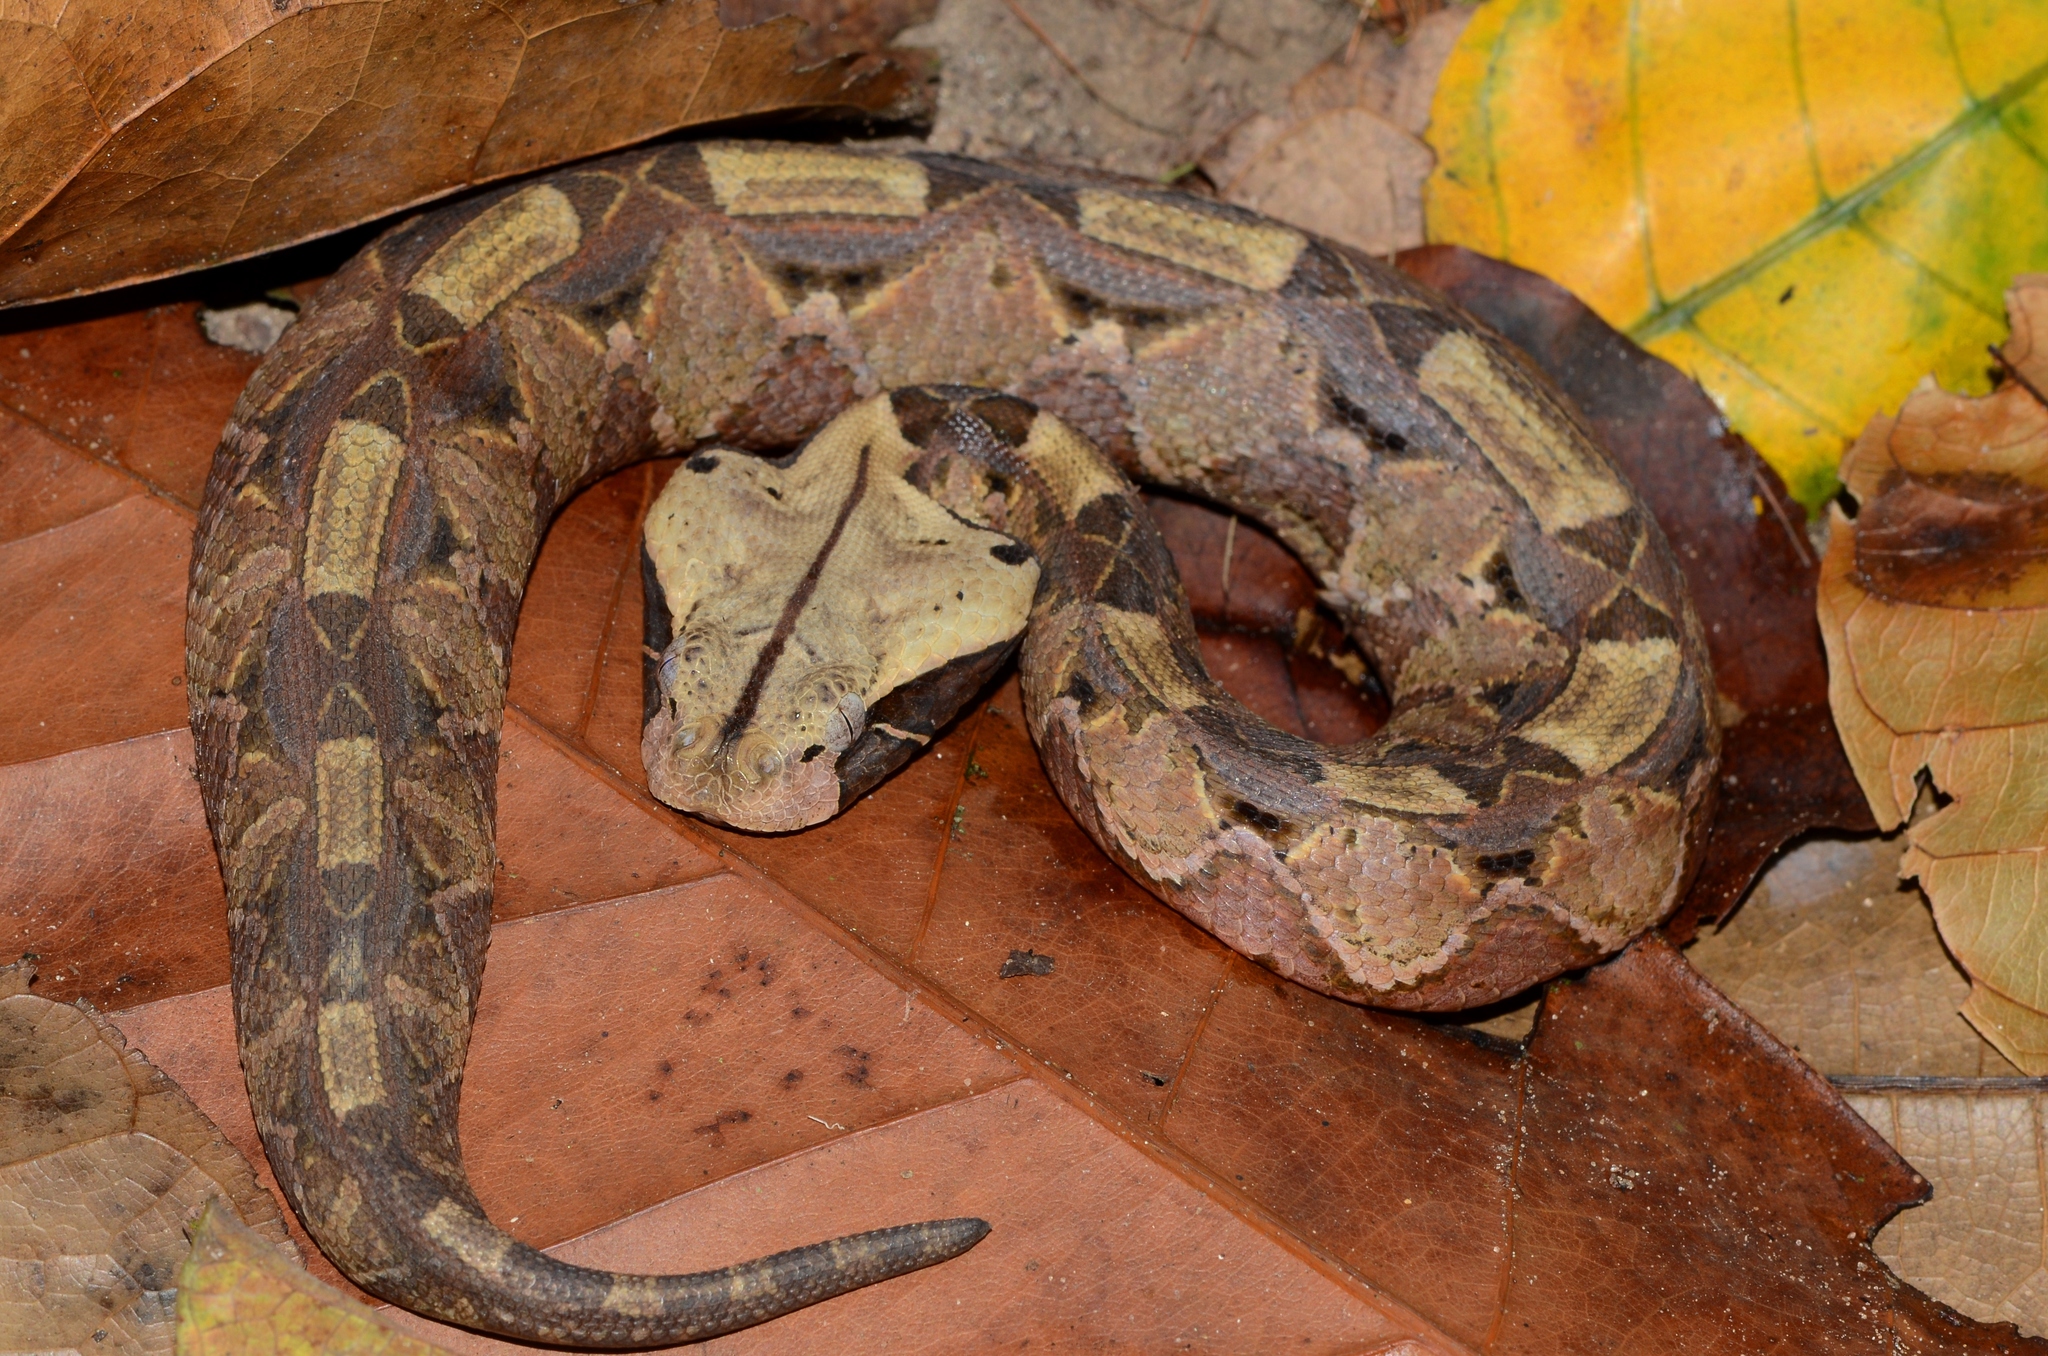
(1934, 604)
(1345, 157)
(1840, 959)
(104, 1161)
(1978, 1242)
(1143, 88)
(237, 1294)
(140, 139)
(1743, 188)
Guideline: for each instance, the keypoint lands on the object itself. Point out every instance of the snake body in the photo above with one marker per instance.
(379, 495)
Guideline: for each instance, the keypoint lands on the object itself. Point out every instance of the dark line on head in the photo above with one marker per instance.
(785, 625)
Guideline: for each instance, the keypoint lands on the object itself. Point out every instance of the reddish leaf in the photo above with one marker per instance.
(1148, 1103)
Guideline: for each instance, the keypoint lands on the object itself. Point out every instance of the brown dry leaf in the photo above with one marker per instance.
(1142, 87)
(104, 1161)
(1979, 1243)
(141, 139)
(1934, 605)
(1840, 961)
(238, 1294)
(694, 1046)
(1345, 158)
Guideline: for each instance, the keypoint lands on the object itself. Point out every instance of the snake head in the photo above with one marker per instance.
(828, 614)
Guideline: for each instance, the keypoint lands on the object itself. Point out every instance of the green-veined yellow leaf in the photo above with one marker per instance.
(1808, 205)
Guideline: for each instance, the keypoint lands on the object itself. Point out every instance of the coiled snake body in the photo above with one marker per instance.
(379, 496)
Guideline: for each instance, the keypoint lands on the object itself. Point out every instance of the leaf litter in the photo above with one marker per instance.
(104, 1162)
(1611, 1011)
(1934, 603)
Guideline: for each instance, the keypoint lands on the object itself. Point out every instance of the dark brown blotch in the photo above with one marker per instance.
(1500, 865)
(1628, 617)
(919, 413)
(1348, 412)
(424, 322)
(1319, 274)
(1265, 823)
(1007, 417)
(340, 618)
(1953, 540)
(1410, 332)
(1129, 589)
(344, 716)
(382, 401)
(680, 170)
(592, 195)
(1611, 541)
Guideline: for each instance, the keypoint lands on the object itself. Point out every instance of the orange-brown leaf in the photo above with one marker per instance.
(1934, 602)
(141, 139)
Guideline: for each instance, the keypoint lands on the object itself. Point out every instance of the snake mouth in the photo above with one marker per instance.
(751, 782)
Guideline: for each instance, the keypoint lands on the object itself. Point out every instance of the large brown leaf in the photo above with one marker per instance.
(693, 1046)
(144, 137)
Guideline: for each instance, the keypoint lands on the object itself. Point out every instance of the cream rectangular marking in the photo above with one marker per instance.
(1255, 256)
(464, 1234)
(508, 245)
(348, 776)
(1565, 485)
(350, 1070)
(634, 1297)
(351, 499)
(1617, 696)
(1411, 790)
(753, 183)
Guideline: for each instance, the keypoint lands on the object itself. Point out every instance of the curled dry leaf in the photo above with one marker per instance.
(141, 139)
(238, 1294)
(1345, 157)
(1934, 604)
(104, 1161)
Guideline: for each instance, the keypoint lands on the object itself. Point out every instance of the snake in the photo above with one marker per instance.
(970, 361)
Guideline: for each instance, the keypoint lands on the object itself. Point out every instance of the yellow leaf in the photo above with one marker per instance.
(1806, 206)
(238, 1295)
(1934, 607)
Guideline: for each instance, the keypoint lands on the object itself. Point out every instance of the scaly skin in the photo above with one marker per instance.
(380, 493)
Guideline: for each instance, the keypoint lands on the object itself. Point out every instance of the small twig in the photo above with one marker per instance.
(1058, 54)
(1201, 21)
(1229, 541)
(1799, 538)
(1067, 62)
(2016, 374)
(1357, 33)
